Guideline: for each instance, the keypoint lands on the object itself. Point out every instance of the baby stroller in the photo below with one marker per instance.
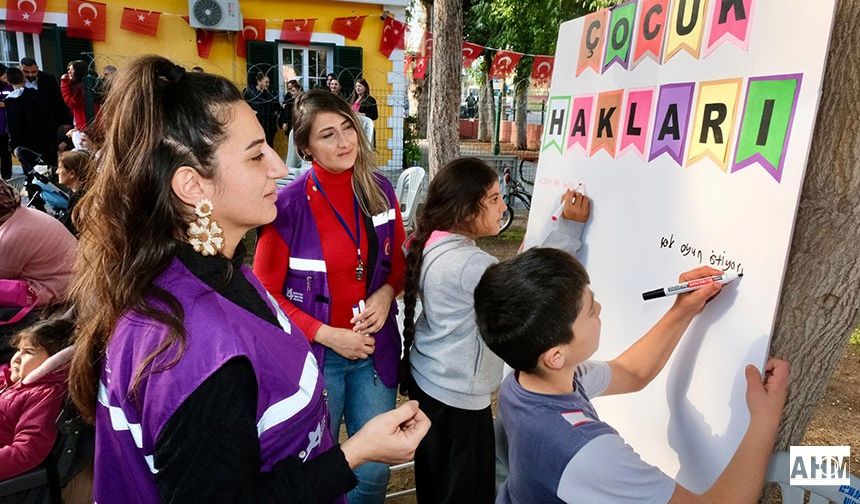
(43, 194)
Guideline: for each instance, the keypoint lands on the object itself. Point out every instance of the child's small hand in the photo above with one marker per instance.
(766, 397)
(577, 206)
(693, 302)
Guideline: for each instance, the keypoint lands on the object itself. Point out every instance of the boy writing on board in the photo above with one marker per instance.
(538, 314)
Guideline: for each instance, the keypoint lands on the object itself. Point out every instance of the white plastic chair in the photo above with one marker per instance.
(778, 472)
(408, 185)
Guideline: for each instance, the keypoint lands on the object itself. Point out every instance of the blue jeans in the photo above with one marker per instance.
(357, 394)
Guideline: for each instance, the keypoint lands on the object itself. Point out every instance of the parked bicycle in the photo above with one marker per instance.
(513, 191)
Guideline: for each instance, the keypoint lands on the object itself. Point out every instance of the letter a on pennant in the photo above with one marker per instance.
(686, 27)
(714, 122)
(766, 122)
(580, 122)
(672, 121)
(593, 38)
(556, 123)
(607, 117)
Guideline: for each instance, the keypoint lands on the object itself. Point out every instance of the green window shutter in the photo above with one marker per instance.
(72, 49)
(263, 57)
(348, 65)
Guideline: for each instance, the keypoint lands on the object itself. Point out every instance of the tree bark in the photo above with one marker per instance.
(820, 305)
(422, 86)
(486, 111)
(443, 133)
(521, 106)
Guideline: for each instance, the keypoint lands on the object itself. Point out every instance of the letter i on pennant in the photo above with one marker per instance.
(580, 123)
(593, 41)
(686, 27)
(730, 20)
(556, 123)
(606, 120)
(714, 122)
(637, 119)
(769, 109)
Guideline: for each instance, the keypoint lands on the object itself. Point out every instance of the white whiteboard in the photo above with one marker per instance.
(694, 414)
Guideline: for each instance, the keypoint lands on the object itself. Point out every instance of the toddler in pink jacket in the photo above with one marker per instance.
(32, 389)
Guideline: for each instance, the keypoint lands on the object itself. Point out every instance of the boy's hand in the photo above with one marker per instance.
(693, 302)
(766, 397)
(577, 207)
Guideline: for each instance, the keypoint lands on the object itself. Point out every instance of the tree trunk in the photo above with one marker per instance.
(820, 305)
(444, 138)
(422, 86)
(521, 106)
(486, 110)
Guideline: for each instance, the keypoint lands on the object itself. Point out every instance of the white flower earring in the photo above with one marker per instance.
(204, 234)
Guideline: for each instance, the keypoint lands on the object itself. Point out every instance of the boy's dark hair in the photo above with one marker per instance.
(53, 335)
(15, 76)
(2, 69)
(526, 305)
(28, 61)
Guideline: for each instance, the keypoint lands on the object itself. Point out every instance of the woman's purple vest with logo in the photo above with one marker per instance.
(306, 285)
(291, 416)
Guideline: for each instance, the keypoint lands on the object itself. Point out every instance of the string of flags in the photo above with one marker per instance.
(88, 20)
(502, 66)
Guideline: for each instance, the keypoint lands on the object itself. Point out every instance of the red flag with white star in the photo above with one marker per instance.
(298, 31)
(349, 27)
(87, 20)
(393, 36)
(542, 68)
(252, 29)
(25, 16)
(427, 45)
(420, 70)
(205, 38)
(140, 21)
(504, 64)
(470, 53)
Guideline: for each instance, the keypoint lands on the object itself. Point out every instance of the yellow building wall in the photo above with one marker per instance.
(176, 40)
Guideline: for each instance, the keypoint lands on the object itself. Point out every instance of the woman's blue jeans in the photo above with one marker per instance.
(356, 394)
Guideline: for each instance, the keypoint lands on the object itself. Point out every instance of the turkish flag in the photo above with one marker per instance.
(205, 38)
(349, 27)
(87, 20)
(427, 45)
(470, 53)
(393, 36)
(252, 29)
(298, 31)
(420, 69)
(140, 21)
(25, 16)
(504, 64)
(542, 68)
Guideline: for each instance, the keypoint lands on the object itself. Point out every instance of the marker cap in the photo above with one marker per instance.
(654, 294)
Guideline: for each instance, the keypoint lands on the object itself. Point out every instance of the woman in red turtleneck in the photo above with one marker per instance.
(354, 216)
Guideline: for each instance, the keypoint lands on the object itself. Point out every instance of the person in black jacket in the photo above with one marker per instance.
(294, 89)
(29, 119)
(362, 102)
(265, 104)
(48, 86)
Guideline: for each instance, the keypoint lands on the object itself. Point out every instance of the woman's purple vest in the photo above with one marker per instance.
(306, 285)
(291, 410)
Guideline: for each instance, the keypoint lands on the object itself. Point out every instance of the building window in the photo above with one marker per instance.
(14, 46)
(311, 64)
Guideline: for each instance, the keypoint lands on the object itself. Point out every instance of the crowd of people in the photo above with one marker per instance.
(207, 380)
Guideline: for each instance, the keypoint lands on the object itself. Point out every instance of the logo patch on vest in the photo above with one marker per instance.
(576, 418)
(295, 296)
(388, 246)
